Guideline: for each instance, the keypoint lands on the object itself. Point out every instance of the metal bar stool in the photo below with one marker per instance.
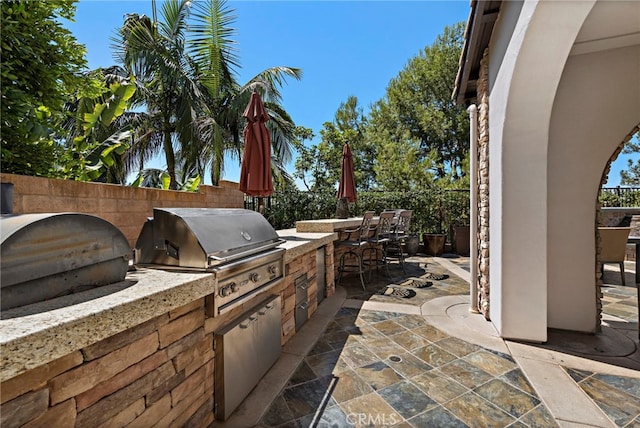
(356, 241)
(397, 237)
(375, 254)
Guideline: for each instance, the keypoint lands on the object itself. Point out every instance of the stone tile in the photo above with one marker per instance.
(332, 416)
(439, 387)
(322, 364)
(374, 316)
(620, 406)
(304, 373)
(457, 347)
(465, 373)
(508, 398)
(346, 318)
(578, 375)
(494, 363)
(344, 312)
(430, 332)
(389, 327)
(278, 413)
(332, 327)
(367, 332)
(411, 321)
(336, 339)
(539, 417)
(434, 355)
(307, 398)
(407, 364)
(437, 417)
(370, 410)
(320, 347)
(406, 399)
(516, 378)
(477, 412)
(384, 347)
(291, 424)
(409, 340)
(627, 384)
(379, 375)
(358, 356)
(341, 365)
(348, 385)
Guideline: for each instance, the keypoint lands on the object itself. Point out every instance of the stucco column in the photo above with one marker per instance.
(527, 68)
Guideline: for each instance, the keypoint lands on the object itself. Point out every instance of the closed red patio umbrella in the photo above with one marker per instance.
(255, 170)
(347, 186)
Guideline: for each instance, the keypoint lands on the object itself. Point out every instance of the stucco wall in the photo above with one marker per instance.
(592, 114)
(125, 207)
(523, 83)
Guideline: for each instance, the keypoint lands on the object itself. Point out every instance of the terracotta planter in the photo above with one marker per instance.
(434, 243)
(412, 243)
(461, 240)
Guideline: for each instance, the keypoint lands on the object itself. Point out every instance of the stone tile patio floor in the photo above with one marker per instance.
(426, 361)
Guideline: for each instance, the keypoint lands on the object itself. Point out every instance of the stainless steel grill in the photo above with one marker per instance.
(53, 254)
(237, 245)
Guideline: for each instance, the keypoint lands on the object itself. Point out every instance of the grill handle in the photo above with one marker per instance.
(216, 260)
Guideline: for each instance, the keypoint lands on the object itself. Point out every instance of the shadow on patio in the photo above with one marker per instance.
(380, 360)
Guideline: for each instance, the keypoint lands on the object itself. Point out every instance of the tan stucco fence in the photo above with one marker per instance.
(125, 207)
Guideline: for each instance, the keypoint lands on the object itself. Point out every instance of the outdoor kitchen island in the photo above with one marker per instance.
(141, 351)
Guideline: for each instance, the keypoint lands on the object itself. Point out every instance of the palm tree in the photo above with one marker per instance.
(184, 65)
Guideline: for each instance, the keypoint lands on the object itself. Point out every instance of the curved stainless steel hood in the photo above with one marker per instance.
(202, 238)
(52, 254)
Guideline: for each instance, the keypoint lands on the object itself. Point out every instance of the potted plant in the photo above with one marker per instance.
(434, 238)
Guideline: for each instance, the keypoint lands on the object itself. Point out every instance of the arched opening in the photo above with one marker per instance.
(618, 220)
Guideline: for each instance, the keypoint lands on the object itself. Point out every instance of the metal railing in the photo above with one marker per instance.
(620, 197)
(252, 203)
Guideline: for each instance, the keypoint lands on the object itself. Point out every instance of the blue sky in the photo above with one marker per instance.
(343, 47)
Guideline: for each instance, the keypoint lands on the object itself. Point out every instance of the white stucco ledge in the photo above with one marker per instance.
(36, 334)
(298, 243)
(328, 225)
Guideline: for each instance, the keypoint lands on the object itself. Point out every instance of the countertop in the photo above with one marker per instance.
(329, 224)
(298, 243)
(36, 334)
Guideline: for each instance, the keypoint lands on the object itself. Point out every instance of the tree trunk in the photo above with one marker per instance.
(170, 158)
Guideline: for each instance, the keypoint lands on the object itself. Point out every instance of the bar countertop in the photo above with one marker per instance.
(329, 225)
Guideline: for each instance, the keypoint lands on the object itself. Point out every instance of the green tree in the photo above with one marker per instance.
(184, 64)
(631, 176)
(97, 131)
(418, 112)
(41, 65)
(322, 163)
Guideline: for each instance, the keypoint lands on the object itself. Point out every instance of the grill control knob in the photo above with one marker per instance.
(227, 290)
(254, 277)
(273, 269)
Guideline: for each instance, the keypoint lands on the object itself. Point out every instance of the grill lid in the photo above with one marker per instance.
(203, 237)
(51, 254)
